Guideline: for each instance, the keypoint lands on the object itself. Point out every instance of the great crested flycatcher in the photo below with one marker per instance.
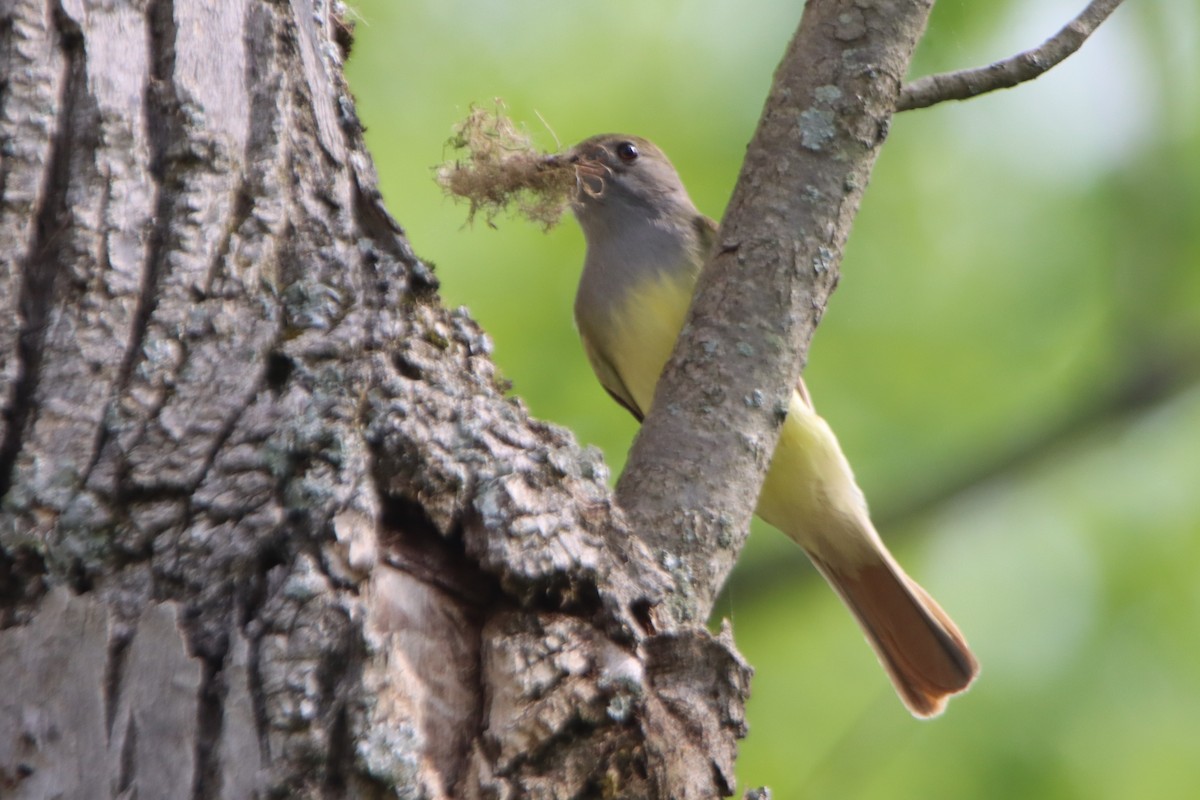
(646, 245)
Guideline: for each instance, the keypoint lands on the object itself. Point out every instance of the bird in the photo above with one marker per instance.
(645, 246)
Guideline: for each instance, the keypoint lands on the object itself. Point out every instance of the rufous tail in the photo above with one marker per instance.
(918, 644)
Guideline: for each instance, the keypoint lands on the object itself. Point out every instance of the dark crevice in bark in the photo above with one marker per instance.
(227, 429)
(128, 763)
(290, 272)
(104, 266)
(130, 494)
(6, 47)
(406, 367)
(340, 759)
(210, 721)
(51, 228)
(261, 78)
(339, 671)
(479, 716)
(414, 545)
(114, 670)
(718, 780)
(161, 130)
(545, 757)
(130, 551)
(581, 598)
(80, 575)
(279, 370)
(22, 581)
(642, 610)
(242, 206)
(98, 443)
(273, 551)
(258, 691)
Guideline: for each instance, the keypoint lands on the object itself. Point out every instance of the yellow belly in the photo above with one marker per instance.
(643, 333)
(809, 492)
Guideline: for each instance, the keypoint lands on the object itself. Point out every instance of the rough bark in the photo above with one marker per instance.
(269, 526)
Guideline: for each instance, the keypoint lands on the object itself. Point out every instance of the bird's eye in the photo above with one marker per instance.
(627, 152)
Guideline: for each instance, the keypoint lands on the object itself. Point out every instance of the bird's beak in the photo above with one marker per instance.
(590, 174)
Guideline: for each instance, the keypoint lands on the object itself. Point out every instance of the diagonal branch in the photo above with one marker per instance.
(968, 83)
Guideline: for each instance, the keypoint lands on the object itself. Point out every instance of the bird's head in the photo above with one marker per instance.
(618, 176)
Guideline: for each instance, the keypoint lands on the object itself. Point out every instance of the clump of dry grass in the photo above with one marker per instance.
(500, 168)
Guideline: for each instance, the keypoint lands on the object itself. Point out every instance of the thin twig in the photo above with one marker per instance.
(968, 83)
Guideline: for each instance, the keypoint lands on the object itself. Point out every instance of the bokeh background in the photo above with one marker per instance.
(1012, 362)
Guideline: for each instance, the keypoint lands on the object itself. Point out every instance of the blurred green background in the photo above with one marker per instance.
(1012, 362)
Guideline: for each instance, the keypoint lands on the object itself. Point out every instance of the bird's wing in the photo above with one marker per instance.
(706, 230)
(610, 379)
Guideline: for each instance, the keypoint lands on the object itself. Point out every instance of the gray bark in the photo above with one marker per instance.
(269, 525)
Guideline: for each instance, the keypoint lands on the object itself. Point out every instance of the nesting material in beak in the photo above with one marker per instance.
(499, 167)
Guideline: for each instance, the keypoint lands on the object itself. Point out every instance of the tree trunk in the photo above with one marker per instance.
(269, 526)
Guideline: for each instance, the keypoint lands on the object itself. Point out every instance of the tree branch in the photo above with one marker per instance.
(968, 83)
(696, 468)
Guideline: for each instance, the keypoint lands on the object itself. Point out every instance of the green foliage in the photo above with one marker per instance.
(1022, 288)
